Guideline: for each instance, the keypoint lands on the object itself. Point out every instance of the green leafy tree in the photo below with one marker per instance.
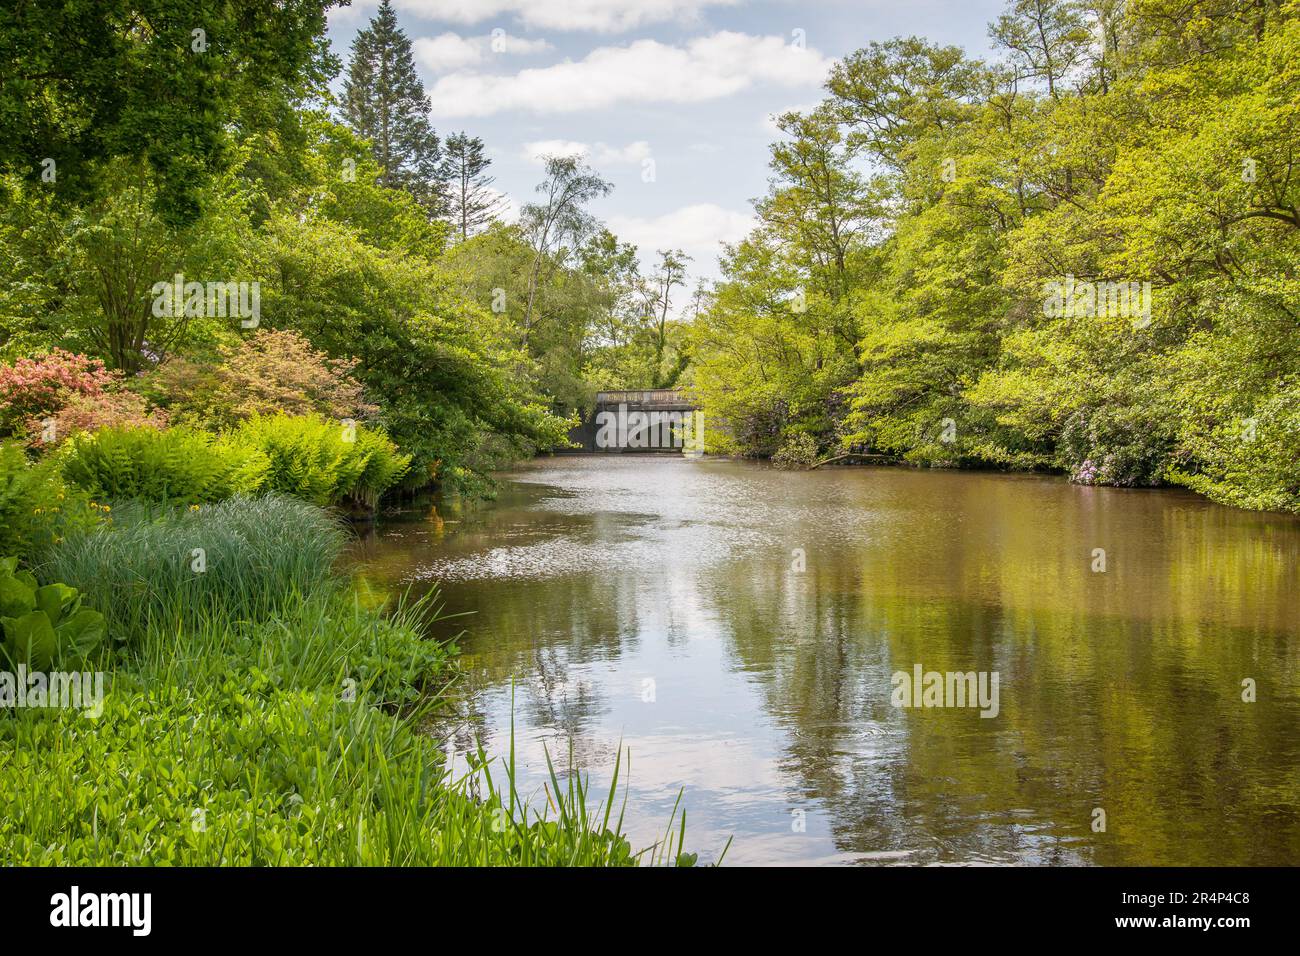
(560, 219)
(165, 82)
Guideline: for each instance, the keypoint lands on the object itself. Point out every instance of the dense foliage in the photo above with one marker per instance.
(1079, 256)
(267, 372)
(308, 457)
(37, 506)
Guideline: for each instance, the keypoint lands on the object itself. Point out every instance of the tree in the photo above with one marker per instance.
(889, 93)
(569, 185)
(89, 276)
(384, 101)
(1047, 39)
(471, 200)
(86, 81)
(657, 296)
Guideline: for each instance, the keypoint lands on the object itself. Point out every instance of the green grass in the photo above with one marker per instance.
(243, 748)
(141, 570)
(267, 717)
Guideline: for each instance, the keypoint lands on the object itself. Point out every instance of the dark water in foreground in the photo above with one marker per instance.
(655, 601)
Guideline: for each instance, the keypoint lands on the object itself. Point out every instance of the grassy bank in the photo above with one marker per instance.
(255, 712)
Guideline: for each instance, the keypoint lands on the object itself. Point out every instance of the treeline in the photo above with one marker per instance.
(1080, 255)
(186, 185)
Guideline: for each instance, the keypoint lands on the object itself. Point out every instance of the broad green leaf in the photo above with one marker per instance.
(31, 640)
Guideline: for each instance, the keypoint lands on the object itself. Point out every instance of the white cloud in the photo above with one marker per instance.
(537, 152)
(451, 51)
(631, 153)
(601, 154)
(645, 71)
(356, 13)
(698, 230)
(603, 16)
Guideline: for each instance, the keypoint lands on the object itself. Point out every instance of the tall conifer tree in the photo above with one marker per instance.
(384, 101)
(471, 200)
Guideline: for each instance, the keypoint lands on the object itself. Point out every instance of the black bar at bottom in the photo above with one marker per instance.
(363, 906)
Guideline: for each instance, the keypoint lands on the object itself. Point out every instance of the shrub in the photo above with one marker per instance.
(799, 451)
(36, 506)
(1250, 460)
(44, 626)
(1116, 445)
(34, 387)
(90, 413)
(322, 461)
(271, 372)
(174, 465)
(241, 559)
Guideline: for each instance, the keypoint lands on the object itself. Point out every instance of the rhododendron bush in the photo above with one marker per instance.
(47, 399)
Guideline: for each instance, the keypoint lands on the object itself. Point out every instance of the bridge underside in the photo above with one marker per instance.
(653, 420)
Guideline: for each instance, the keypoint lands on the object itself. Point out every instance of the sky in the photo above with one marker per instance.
(670, 100)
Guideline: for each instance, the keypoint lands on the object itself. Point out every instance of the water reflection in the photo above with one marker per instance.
(656, 601)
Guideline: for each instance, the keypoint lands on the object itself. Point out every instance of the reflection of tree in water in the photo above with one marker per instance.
(1118, 690)
(547, 635)
(1141, 718)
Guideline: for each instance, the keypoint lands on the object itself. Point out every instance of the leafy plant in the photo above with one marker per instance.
(322, 461)
(799, 451)
(32, 387)
(268, 373)
(90, 413)
(45, 625)
(173, 465)
(36, 506)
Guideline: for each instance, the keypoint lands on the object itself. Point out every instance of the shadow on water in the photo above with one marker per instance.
(737, 627)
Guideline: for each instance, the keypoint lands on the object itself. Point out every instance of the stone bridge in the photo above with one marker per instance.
(645, 420)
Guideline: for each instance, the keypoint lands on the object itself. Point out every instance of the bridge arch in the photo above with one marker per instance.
(661, 420)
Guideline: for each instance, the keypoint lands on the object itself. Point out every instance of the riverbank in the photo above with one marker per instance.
(247, 705)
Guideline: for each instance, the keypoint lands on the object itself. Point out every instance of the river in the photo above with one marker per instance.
(738, 630)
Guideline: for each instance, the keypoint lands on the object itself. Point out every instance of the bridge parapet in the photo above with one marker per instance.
(646, 398)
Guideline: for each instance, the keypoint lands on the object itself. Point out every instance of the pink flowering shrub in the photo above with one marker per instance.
(89, 413)
(31, 388)
(50, 398)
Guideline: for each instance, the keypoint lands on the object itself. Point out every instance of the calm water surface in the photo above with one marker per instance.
(655, 601)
